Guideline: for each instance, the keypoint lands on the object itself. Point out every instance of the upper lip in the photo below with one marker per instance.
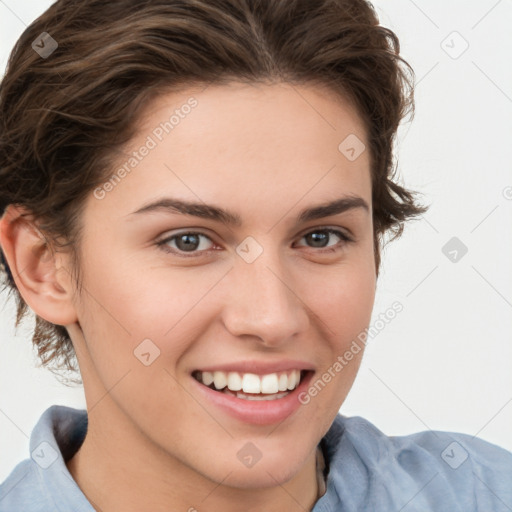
(258, 367)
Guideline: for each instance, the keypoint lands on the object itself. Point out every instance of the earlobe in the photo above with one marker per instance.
(41, 280)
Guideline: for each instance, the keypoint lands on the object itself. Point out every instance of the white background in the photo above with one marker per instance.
(444, 362)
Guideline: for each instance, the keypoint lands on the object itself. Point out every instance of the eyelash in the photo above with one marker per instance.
(162, 244)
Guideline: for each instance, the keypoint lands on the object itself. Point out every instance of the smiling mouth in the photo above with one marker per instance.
(250, 386)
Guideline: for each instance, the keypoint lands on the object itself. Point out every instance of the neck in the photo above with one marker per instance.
(119, 468)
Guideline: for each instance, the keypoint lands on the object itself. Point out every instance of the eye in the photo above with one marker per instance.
(191, 242)
(320, 236)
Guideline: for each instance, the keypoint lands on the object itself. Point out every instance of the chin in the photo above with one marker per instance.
(261, 475)
(274, 466)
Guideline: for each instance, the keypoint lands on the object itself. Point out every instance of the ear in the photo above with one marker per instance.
(40, 275)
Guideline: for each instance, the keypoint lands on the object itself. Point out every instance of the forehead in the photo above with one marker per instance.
(240, 115)
(245, 145)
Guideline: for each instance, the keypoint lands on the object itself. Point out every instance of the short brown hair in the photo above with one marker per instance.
(64, 117)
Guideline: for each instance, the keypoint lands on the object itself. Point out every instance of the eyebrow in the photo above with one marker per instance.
(211, 212)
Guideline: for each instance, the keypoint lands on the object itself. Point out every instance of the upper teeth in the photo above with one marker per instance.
(250, 382)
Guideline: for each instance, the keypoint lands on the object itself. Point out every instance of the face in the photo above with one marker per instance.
(254, 285)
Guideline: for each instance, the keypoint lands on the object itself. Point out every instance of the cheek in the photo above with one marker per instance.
(125, 304)
(342, 301)
(342, 297)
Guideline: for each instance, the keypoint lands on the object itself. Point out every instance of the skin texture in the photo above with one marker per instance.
(264, 152)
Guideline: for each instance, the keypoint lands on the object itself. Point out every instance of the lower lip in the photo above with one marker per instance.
(261, 412)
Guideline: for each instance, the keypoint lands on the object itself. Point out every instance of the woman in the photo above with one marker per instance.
(194, 197)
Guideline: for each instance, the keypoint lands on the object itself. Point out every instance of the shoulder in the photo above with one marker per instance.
(451, 448)
(437, 470)
(21, 490)
(43, 482)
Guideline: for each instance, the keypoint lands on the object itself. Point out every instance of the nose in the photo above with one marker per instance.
(264, 301)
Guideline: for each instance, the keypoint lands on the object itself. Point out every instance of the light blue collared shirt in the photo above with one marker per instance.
(367, 470)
